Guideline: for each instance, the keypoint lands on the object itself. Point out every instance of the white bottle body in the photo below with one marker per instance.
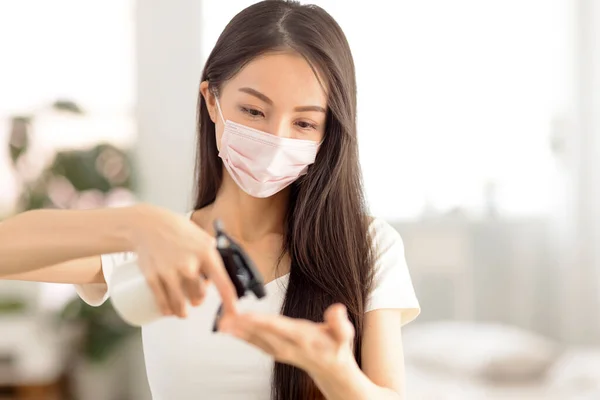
(131, 295)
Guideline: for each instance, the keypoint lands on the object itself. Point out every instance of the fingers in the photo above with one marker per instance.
(268, 341)
(215, 270)
(195, 290)
(336, 316)
(160, 294)
(192, 282)
(175, 294)
(175, 270)
(290, 329)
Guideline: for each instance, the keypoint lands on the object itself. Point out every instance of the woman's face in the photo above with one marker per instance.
(277, 93)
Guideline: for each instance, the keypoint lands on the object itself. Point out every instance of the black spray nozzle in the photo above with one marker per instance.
(240, 268)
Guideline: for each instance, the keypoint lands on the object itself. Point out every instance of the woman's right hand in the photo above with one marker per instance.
(177, 257)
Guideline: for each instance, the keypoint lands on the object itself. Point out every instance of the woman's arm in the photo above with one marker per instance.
(324, 350)
(382, 375)
(173, 252)
(81, 271)
(39, 238)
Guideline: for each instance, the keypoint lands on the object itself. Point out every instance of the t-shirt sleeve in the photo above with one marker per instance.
(95, 294)
(392, 285)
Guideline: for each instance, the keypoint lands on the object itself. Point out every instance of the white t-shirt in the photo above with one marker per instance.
(186, 360)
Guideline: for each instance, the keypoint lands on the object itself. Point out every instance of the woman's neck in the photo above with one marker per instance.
(245, 217)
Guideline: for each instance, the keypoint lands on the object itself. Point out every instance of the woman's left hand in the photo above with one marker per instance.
(316, 348)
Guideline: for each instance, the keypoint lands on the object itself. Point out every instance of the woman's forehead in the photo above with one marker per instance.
(285, 77)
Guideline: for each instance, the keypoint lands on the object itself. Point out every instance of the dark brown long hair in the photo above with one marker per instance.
(326, 232)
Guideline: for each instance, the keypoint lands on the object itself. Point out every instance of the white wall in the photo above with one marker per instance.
(581, 270)
(168, 72)
(168, 69)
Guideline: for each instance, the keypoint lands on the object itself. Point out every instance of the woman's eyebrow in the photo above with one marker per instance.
(266, 99)
(257, 94)
(310, 108)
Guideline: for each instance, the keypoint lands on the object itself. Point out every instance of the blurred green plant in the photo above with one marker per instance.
(9, 306)
(102, 330)
(102, 169)
(69, 177)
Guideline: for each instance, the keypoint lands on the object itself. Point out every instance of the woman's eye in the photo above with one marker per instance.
(306, 125)
(253, 112)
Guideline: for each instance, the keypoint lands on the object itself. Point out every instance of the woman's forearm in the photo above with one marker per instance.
(349, 382)
(35, 239)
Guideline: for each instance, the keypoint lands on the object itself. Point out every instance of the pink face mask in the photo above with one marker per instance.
(262, 164)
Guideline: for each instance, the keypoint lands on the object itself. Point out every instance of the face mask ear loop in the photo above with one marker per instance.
(219, 108)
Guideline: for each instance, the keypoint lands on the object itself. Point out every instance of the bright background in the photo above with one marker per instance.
(479, 133)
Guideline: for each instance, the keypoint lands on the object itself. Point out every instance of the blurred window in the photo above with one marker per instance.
(73, 50)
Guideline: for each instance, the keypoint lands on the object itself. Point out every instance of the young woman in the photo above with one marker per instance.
(278, 164)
